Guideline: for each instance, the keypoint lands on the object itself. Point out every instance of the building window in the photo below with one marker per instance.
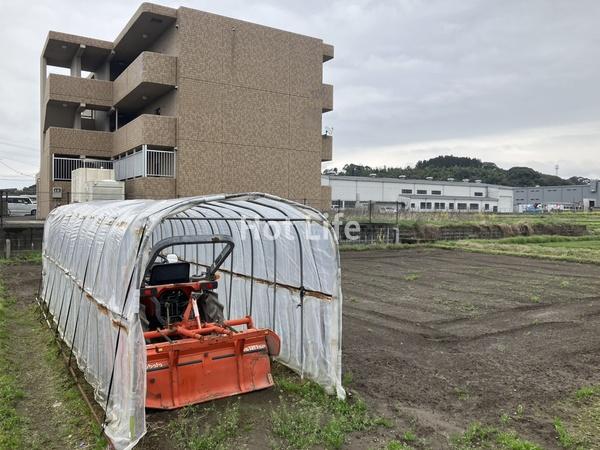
(462, 206)
(412, 206)
(478, 194)
(439, 205)
(422, 205)
(407, 191)
(474, 206)
(428, 205)
(421, 192)
(349, 204)
(436, 192)
(450, 205)
(487, 207)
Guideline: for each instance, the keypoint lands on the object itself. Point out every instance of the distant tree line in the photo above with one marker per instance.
(29, 190)
(459, 168)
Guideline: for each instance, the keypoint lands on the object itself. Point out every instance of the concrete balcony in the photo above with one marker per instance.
(326, 148)
(327, 52)
(95, 94)
(69, 141)
(148, 77)
(65, 96)
(147, 129)
(154, 131)
(326, 97)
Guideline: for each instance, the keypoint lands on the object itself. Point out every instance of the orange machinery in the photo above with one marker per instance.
(193, 354)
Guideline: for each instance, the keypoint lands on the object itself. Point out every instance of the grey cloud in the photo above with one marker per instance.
(407, 73)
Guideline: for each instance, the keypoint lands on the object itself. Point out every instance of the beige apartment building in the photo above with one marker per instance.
(184, 103)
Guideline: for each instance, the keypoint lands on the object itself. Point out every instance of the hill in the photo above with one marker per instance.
(459, 168)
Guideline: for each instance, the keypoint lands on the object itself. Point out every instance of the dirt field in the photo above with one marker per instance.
(433, 340)
(444, 338)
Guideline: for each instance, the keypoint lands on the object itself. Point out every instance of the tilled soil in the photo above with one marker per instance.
(440, 339)
(434, 340)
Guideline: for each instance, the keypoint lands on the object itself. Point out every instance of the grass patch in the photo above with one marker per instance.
(411, 277)
(479, 436)
(193, 430)
(565, 438)
(307, 416)
(579, 426)
(29, 257)
(584, 249)
(367, 247)
(412, 219)
(409, 436)
(587, 392)
(397, 445)
(72, 424)
(461, 394)
(12, 425)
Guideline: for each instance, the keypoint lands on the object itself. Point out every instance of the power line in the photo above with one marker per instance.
(16, 144)
(15, 170)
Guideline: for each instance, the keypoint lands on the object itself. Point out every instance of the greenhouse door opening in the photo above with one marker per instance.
(193, 354)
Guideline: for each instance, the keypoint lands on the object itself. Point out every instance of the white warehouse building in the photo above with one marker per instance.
(419, 195)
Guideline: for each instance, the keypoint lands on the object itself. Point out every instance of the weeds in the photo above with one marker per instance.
(461, 394)
(583, 249)
(397, 445)
(409, 436)
(586, 392)
(411, 277)
(11, 424)
(308, 416)
(505, 419)
(535, 298)
(565, 438)
(32, 257)
(191, 432)
(479, 436)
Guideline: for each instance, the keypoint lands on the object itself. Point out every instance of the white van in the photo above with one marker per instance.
(21, 205)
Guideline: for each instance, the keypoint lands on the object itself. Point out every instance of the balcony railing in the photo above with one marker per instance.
(145, 162)
(63, 166)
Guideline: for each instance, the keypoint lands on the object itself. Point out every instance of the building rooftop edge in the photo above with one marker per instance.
(440, 182)
(146, 7)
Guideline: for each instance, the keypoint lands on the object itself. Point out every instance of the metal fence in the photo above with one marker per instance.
(63, 166)
(395, 212)
(18, 234)
(145, 162)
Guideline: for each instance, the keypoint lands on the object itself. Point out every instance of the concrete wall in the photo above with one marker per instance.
(249, 105)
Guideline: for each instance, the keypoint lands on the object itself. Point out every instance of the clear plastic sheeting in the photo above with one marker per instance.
(284, 271)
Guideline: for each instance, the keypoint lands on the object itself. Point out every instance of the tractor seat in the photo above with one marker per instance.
(169, 273)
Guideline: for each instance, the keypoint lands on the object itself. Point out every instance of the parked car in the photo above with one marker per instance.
(21, 206)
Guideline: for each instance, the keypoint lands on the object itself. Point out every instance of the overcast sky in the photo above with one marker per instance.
(512, 82)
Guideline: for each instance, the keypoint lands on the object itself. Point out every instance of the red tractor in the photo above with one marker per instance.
(193, 354)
